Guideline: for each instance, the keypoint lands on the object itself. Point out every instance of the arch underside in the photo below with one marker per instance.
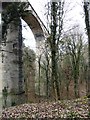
(32, 19)
(35, 26)
(38, 32)
(37, 29)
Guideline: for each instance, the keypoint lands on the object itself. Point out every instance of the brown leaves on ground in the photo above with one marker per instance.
(61, 109)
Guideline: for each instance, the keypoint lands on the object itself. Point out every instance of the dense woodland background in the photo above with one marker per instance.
(64, 71)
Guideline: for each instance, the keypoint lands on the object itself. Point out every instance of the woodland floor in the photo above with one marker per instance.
(49, 110)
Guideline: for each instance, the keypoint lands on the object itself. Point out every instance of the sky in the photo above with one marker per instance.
(73, 16)
(76, 15)
(28, 36)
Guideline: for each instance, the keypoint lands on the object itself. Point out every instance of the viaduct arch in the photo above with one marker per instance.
(11, 55)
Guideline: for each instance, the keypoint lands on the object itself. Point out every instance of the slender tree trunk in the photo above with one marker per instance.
(76, 89)
(47, 84)
(47, 77)
(76, 84)
(67, 88)
(39, 75)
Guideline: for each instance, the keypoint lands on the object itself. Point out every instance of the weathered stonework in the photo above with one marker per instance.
(11, 63)
(11, 74)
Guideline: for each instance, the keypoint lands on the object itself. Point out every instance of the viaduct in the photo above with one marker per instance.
(11, 75)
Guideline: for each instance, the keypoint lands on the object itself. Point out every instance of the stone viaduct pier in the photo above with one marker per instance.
(11, 74)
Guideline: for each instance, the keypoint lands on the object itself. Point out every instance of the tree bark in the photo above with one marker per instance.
(55, 83)
(88, 33)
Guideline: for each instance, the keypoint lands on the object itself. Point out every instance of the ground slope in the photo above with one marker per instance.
(61, 109)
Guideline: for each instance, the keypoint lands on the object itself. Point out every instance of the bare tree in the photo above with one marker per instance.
(74, 46)
(53, 40)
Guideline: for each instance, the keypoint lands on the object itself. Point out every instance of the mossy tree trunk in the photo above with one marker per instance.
(87, 21)
(55, 83)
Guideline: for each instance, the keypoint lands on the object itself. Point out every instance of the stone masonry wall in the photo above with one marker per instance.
(10, 67)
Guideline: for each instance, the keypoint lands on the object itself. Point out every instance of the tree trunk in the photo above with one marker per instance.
(76, 88)
(39, 75)
(47, 78)
(76, 84)
(88, 33)
(55, 83)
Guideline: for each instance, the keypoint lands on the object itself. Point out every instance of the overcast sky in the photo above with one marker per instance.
(72, 17)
